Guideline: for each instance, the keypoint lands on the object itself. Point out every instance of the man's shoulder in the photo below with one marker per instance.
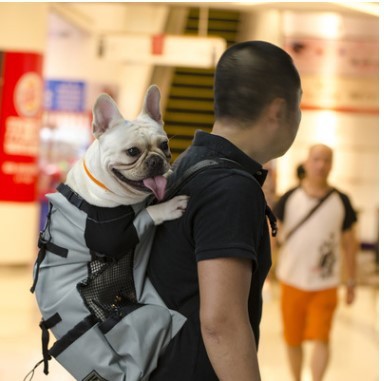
(349, 210)
(285, 196)
(343, 195)
(210, 169)
(279, 208)
(344, 198)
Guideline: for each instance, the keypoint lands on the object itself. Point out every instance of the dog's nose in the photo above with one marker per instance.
(155, 164)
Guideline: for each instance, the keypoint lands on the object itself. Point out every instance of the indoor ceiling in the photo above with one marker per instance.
(74, 19)
(370, 8)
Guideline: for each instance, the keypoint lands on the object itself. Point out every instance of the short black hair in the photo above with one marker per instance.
(248, 76)
(300, 172)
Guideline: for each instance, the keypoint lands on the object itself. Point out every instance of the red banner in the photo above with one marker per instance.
(21, 99)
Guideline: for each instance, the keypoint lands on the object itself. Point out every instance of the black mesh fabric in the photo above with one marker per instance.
(110, 286)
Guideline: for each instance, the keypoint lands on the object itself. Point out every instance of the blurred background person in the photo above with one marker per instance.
(317, 224)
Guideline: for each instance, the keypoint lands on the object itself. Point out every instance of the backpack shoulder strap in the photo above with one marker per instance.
(187, 176)
(198, 168)
(217, 163)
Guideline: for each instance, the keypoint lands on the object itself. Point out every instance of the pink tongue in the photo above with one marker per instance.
(157, 186)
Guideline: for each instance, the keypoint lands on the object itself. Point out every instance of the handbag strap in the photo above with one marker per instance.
(308, 215)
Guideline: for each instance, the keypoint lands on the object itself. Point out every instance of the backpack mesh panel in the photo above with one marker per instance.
(110, 286)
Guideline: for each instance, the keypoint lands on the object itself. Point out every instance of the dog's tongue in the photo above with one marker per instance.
(157, 186)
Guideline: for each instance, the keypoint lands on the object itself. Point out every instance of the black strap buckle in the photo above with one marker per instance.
(74, 198)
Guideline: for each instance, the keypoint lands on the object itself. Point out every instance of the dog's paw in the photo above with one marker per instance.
(168, 210)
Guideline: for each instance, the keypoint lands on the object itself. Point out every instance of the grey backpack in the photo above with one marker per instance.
(108, 319)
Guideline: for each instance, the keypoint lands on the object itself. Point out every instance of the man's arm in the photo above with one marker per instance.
(228, 337)
(350, 246)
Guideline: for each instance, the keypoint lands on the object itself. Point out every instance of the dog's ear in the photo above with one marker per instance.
(104, 112)
(151, 105)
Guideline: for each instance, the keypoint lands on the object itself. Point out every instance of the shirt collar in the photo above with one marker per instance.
(224, 148)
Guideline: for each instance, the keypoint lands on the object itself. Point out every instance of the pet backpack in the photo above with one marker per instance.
(108, 319)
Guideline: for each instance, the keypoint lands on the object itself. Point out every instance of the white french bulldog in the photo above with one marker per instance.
(127, 160)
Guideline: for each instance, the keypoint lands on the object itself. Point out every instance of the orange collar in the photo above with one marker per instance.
(99, 183)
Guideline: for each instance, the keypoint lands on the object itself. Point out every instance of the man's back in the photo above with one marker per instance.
(225, 218)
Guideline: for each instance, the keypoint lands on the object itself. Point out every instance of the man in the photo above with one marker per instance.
(309, 260)
(218, 253)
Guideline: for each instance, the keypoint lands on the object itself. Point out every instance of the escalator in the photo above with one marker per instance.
(189, 104)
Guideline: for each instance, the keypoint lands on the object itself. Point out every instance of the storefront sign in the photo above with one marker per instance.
(359, 58)
(340, 75)
(21, 95)
(67, 96)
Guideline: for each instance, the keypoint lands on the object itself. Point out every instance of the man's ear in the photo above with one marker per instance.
(105, 111)
(277, 111)
(151, 105)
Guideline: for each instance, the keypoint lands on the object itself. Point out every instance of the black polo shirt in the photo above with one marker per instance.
(225, 218)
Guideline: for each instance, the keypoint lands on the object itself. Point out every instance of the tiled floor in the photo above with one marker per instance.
(355, 336)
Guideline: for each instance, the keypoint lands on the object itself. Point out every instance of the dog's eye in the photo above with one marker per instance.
(134, 151)
(164, 146)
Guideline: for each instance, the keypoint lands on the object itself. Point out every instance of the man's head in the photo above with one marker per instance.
(319, 163)
(254, 80)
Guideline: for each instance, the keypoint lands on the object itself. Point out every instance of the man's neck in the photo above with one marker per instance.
(244, 140)
(315, 188)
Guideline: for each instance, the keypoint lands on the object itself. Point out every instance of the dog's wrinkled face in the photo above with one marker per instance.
(134, 153)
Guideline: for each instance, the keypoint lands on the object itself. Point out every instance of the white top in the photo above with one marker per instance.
(310, 258)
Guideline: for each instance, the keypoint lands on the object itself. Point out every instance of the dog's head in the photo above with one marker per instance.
(135, 154)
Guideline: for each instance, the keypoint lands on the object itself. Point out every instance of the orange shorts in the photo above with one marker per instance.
(307, 315)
